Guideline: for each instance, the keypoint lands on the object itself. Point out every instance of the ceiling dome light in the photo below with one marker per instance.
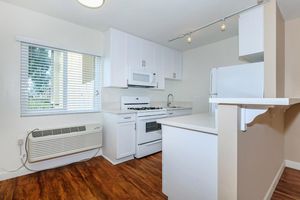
(92, 3)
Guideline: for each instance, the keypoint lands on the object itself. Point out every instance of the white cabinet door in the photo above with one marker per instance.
(168, 62)
(148, 56)
(172, 62)
(125, 139)
(140, 55)
(115, 61)
(159, 68)
(251, 35)
(133, 53)
(178, 65)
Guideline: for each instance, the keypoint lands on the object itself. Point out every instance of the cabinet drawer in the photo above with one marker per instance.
(149, 148)
(126, 118)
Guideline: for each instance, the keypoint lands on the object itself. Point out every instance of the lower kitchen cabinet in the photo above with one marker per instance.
(125, 139)
(119, 137)
(178, 112)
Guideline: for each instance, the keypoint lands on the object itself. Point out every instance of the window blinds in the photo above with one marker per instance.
(55, 81)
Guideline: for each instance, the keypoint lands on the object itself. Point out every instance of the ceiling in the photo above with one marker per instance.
(155, 20)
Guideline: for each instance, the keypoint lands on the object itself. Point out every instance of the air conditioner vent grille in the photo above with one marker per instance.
(58, 131)
(53, 143)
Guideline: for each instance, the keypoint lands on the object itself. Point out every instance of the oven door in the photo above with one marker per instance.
(148, 129)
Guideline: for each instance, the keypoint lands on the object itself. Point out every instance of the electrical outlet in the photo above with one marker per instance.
(20, 142)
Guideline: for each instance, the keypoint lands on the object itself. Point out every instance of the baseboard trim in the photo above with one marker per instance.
(116, 162)
(10, 175)
(275, 182)
(292, 164)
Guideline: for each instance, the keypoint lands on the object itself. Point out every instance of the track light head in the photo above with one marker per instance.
(223, 26)
(260, 2)
(189, 38)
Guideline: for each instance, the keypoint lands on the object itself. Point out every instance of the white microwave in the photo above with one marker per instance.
(142, 79)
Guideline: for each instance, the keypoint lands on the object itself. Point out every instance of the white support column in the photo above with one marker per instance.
(228, 130)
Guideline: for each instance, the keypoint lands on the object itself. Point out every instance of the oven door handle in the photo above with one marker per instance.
(144, 118)
(151, 143)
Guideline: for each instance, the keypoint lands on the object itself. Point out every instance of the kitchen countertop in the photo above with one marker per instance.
(203, 122)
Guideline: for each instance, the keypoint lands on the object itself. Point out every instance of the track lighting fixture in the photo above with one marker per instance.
(222, 20)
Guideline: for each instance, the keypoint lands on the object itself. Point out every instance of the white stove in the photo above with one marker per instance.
(148, 131)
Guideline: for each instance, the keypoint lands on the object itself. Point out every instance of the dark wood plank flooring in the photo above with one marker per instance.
(98, 179)
(94, 179)
(288, 187)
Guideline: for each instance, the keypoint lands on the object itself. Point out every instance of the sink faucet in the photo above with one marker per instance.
(168, 100)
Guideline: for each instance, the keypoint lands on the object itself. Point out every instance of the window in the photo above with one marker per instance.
(55, 81)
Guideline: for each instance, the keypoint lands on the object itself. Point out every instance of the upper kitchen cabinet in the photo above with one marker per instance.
(159, 68)
(133, 61)
(115, 59)
(140, 55)
(172, 63)
(251, 35)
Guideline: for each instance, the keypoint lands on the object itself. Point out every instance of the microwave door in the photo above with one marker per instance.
(141, 79)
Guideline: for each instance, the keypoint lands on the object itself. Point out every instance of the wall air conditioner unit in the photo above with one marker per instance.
(52, 143)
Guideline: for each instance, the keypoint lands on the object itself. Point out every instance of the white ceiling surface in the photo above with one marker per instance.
(290, 8)
(155, 20)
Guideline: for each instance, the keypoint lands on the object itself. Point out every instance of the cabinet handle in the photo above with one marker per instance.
(127, 117)
(174, 75)
(143, 63)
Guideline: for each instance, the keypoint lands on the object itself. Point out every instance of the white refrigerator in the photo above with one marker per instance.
(239, 81)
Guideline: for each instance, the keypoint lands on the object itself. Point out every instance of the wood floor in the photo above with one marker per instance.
(94, 179)
(288, 187)
(98, 179)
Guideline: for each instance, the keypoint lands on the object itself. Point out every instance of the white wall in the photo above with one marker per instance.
(16, 21)
(292, 89)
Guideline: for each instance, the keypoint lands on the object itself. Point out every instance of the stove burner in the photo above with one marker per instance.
(146, 108)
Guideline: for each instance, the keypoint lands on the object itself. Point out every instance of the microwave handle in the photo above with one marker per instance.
(153, 77)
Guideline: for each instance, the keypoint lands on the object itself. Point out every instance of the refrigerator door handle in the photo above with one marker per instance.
(213, 92)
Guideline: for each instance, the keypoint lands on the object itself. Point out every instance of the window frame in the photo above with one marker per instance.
(25, 111)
